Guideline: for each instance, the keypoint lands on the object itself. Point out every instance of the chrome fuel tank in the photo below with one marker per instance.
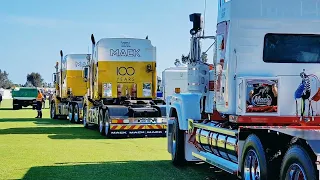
(219, 144)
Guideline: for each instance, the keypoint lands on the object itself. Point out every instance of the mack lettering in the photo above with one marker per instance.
(258, 100)
(125, 52)
(80, 64)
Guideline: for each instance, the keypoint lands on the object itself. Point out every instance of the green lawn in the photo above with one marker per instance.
(55, 149)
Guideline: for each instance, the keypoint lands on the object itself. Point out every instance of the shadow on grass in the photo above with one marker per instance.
(124, 170)
(24, 108)
(42, 121)
(69, 132)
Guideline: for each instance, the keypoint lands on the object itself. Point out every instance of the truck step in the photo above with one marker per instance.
(217, 161)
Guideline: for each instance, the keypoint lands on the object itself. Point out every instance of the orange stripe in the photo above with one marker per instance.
(114, 127)
(141, 127)
(123, 127)
(159, 126)
(132, 127)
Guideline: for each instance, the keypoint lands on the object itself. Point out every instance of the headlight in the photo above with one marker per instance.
(107, 90)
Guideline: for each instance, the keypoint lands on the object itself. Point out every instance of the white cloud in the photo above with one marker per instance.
(51, 22)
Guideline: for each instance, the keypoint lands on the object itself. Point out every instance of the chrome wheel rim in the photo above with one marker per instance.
(106, 128)
(296, 172)
(100, 123)
(251, 166)
(76, 113)
(84, 116)
(70, 112)
(174, 143)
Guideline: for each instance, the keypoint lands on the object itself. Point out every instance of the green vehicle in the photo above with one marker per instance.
(24, 97)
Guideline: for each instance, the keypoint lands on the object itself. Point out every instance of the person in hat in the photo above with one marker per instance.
(39, 104)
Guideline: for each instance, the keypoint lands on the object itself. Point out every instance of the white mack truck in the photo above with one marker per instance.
(256, 114)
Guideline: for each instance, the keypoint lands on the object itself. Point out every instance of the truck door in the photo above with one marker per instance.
(221, 64)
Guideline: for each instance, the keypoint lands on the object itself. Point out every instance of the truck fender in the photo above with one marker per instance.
(187, 107)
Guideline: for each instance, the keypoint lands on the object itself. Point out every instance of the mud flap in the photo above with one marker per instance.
(169, 134)
(138, 133)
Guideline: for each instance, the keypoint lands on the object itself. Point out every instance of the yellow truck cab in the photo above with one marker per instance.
(67, 102)
(122, 84)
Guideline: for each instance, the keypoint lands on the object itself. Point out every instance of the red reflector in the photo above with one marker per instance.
(120, 121)
(211, 85)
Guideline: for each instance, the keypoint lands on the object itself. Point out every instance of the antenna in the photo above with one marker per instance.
(204, 16)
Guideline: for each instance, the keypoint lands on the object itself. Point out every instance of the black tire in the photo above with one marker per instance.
(178, 151)
(107, 124)
(71, 110)
(297, 156)
(101, 122)
(253, 149)
(84, 118)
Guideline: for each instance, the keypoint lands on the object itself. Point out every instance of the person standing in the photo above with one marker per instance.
(0, 99)
(39, 104)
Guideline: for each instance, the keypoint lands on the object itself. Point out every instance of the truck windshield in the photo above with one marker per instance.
(291, 48)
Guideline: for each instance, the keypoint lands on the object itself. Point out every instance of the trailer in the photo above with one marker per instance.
(67, 101)
(122, 83)
(256, 114)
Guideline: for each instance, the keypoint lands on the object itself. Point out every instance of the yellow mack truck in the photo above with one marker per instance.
(121, 79)
(67, 102)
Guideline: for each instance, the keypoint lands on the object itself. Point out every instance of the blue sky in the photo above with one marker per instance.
(33, 32)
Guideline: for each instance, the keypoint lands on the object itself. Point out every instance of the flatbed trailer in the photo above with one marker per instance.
(256, 114)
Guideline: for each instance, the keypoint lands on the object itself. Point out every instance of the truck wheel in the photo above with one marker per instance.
(107, 124)
(84, 119)
(254, 164)
(178, 152)
(101, 122)
(76, 113)
(71, 113)
(53, 111)
(297, 164)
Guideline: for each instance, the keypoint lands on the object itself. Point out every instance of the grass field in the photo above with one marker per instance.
(56, 149)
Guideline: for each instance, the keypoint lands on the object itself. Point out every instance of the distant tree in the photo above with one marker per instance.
(34, 79)
(28, 84)
(5, 82)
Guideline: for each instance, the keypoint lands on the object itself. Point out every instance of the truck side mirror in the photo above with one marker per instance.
(54, 75)
(196, 19)
(85, 73)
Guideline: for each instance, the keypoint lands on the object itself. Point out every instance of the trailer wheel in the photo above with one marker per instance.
(76, 113)
(84, 114)
(254, 164)
(297, 164)
(107, 124)
(71, 113)
(177, 155)
(101, 122)
(53, 111)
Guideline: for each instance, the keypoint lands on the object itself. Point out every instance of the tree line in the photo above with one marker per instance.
(33, 79)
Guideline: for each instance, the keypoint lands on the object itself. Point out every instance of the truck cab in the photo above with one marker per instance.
(264, 119)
